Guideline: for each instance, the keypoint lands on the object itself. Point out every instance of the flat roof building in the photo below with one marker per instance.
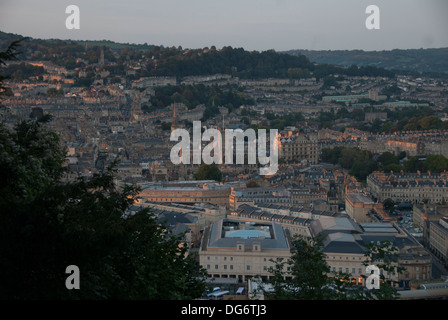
(203, 191)
(345, 243)
(438, 239)
(358, 206)
(242, 249)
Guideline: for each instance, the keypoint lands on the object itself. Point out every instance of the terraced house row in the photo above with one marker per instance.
(409, 187)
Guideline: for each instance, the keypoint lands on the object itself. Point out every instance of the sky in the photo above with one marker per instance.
(250, 24)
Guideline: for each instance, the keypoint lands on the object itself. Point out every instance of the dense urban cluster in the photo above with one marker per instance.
(362, 158)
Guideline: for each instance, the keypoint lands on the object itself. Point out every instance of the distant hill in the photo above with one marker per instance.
(271, 63)
(172, 61)
(413, 60)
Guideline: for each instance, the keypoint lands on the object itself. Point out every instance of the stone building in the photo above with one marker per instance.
(358, 206)
(304, 197)
(408, 187)
(345, 245)
(201, 191)
(242, 249)
(299, 146)
(438, 239)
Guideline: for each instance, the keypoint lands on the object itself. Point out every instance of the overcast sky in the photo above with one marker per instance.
(251, 24)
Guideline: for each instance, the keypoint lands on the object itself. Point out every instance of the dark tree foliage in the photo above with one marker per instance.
(280, 122)
(9, 54)
(47, 224)
(22, 71)
(208, 172)
(306, 275)
(360, 163)
(212, 97)
(435, 163)
(175, 61)
(228, 60)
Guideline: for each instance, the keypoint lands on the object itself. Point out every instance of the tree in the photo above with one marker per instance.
(303, 276)
(252, 184)
(10, 53)
(383, 255)
(362, 168)
(389, 205)
(306, 275)
(435, 163)
(413, 164)
(55, 92)
(47, 225)
(208, 172)
(388, 158)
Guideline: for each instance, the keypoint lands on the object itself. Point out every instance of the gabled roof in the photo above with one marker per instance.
(340, 242)
(328, 225)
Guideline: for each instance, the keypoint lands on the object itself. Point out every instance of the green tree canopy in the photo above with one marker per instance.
(435, 163)
(306, 275)
(47, 225)
(389, 205)
(208, 172)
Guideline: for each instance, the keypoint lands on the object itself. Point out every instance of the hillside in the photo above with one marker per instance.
(413, 60)
(293, 64)
(175, 61)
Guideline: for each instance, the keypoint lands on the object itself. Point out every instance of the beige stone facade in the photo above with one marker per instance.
(358, 206)
(242, 250)
(438, 239)
(304, 197)
(187, 192)
(409, 187)
(297, 146)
